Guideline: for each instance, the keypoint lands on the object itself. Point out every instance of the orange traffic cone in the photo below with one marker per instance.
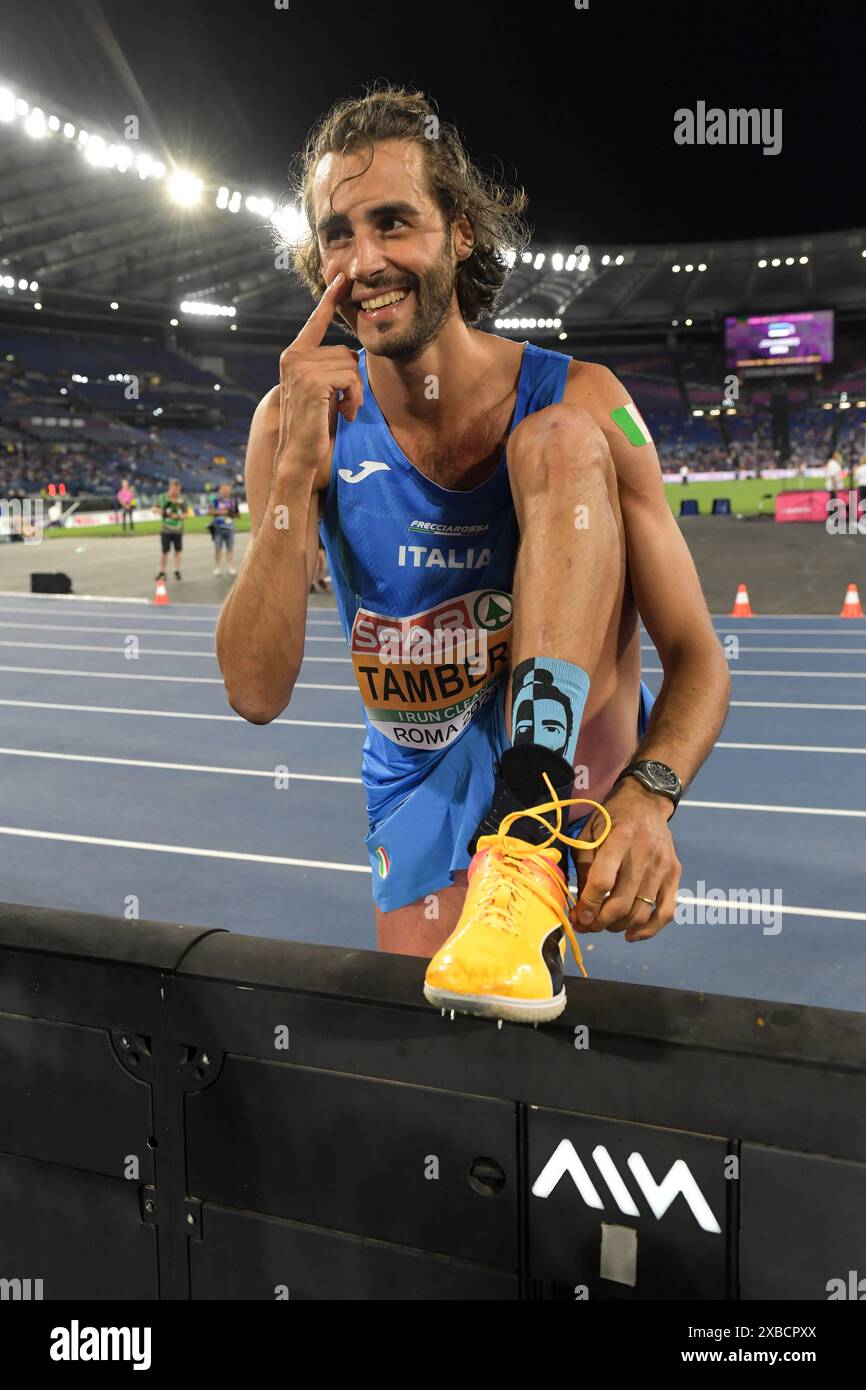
(851, 607)
(161, 595)
(742, 608)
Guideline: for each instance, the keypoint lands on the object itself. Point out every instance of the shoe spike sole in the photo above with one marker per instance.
(497, 1006)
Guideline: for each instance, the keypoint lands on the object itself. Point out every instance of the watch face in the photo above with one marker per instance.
(663, 775)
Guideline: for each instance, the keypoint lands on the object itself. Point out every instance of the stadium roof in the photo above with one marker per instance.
(92, 220)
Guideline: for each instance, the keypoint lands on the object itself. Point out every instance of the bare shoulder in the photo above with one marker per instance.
(595, 387)
(504, 355)
(598, 390)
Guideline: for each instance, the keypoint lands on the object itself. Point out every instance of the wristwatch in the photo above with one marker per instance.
(656, 777)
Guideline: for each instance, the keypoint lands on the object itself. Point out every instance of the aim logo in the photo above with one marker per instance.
(678, 1181)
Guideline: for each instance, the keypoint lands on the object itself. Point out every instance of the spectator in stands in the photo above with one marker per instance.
(126, 502)
(224, 509)
(171, 507)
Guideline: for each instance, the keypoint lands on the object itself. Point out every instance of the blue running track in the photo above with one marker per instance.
(129, 787)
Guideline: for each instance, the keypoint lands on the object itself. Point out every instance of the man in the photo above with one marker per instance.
(833, 472)
(860, 482)
(398, 455)
(126, 502)
(223, 510)
(171, 507)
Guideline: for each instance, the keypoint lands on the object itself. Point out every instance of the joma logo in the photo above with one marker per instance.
(678, 1181)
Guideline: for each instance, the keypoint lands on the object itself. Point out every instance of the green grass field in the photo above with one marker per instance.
(193, 525)
(747, 498)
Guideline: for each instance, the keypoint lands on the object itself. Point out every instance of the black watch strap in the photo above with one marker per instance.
(656, 777)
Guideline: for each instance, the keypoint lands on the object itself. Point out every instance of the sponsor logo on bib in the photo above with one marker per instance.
(425, 677)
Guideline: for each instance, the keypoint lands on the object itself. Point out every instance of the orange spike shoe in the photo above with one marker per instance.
(504, 959)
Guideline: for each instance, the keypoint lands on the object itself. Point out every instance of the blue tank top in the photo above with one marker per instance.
(422, 577)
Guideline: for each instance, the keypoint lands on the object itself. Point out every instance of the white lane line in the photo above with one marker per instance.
(173, 767)
(77, 598)
(103, 598)
(347, 661)
(193, 850)
(174, 714)
(141, 676)
(736, 906)
(181, 615)
(790, 747)
(813, 675)
(352, 689)
(845, 627)
(239, 857)
(787, 704)
(797, 651)
(118, 650)
(315, 777)
(782, 810)
(161, 619)
(171, 714)
(182, 632)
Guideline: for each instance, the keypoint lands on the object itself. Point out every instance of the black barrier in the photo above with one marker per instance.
(190, 1114)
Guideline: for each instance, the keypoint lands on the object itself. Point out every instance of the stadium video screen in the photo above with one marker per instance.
(790, 340)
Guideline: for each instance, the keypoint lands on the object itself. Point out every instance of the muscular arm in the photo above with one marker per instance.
(629, 884)
(260, 633)
(690, 710)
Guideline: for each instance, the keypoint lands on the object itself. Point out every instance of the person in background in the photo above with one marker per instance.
(321, 580)
(860, 481)
(684, 474)
(223, 510)
(171, 508)
(126, 502)
(833, 472)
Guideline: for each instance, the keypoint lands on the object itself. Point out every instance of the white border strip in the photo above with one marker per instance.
(239, 857)
(784, 675)
(781, 810)
(176, 680)
(270, 773)
(236, 855)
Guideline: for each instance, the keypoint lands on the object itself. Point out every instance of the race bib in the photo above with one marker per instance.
(423, 678)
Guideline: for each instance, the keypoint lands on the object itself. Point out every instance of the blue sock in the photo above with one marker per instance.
(548, 697)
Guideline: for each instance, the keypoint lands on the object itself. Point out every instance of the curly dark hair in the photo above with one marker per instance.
(456, 185)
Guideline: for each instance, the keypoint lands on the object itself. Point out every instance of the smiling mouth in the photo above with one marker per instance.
(382, 301)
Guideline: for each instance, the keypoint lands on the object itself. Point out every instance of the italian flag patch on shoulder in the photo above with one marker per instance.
(629, 419)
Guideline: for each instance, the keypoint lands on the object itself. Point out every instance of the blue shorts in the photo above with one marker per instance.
(416, 849)
(223, 539)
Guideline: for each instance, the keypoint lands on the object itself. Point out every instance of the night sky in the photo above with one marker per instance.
(578, 106)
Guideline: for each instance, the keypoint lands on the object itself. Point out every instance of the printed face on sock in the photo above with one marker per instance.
(545, 721)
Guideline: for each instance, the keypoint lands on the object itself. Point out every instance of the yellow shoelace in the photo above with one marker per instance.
(509, 854)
